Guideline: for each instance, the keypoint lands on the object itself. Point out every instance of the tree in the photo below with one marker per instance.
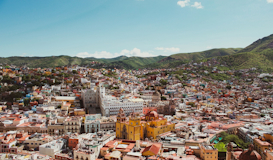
(26, 101)
(163, 81)
(233, 138)
(228, 87)
(221, 147)
(75, 72)
(163, 98)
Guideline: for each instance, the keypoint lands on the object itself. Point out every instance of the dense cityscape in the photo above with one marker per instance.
(136, 80)
(187, 112)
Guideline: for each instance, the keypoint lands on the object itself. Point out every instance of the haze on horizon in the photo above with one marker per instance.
(107, 28)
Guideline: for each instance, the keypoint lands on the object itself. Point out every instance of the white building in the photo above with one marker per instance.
(91, 143)
(52, 147)
(37, 118)
(110, 105)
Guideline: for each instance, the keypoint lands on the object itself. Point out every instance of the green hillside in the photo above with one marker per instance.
(259, 54)
(44, 62)
(54, 61)
(136, 62)
(181, 58)
(260, 45)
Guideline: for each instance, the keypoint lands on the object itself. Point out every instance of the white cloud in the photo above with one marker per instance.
(104, 54)
(172, 49)
(198, 5)
(26, 55)
(183, 3)
(209, 47)
(269, 1)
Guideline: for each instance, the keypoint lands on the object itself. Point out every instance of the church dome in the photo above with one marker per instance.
(152, 114)
(250, 154)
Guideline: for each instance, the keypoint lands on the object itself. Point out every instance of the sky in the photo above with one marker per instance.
(111, 28)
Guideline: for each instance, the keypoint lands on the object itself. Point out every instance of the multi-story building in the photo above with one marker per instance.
(91, 97)
(108, 123)
(56, 129)
(208, 152)
(33, 127)
(139, 128)
(110, 105)
(260, 146)
(73, 124)
(7, 142)
(36, 140)
(92, 123)
(37, 118)
(52, 147)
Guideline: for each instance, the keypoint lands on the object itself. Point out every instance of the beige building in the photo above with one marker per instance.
(208, 152)
(56, 129)
(108, 123)
(36, 140)
(73, 124)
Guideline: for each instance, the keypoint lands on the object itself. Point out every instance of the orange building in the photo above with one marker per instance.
(149, 109)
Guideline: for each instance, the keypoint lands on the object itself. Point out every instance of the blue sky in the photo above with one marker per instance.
(110, 28)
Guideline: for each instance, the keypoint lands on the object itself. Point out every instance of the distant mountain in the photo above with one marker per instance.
(260, 45)
(135, 62)
(54, 61)
(44, 62)
(108, 60)
(181, 58)
(259, 54)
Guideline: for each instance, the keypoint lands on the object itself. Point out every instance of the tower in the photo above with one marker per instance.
(229, 149)
(134, 127)
(121, 129)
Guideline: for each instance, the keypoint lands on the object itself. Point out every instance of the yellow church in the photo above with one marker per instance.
(138, 128)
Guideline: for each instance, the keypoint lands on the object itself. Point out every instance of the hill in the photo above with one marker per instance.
(181, 58)
(259, 54)
(54, 61)
(135, 62)
(44, 62)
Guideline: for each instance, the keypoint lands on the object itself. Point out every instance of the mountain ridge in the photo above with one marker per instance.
(257, 54)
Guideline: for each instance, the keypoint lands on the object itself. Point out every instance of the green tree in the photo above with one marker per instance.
(163, 81)
(221, 147)
(163, 98)
(228, 87)
(75, 72)
(26, 101)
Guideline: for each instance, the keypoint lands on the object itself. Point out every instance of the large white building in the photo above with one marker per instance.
(110, 105)
(52, 147)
